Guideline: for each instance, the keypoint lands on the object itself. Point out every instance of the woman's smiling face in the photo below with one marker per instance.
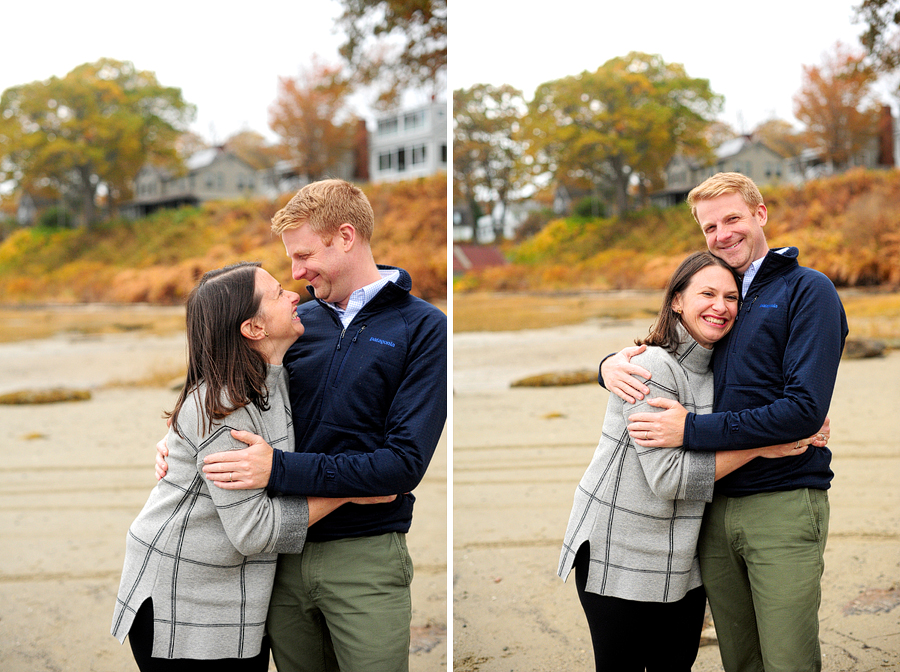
(708, 305)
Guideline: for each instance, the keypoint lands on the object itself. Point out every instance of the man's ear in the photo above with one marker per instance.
(346, 235)
(762, 214)
(253, 330)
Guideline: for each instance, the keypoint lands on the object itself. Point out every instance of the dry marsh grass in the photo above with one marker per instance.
(870, 313)
(35, 322)
(495, 311)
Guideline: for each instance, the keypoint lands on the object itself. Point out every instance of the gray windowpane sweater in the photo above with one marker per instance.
(207, 556)
(640, 509)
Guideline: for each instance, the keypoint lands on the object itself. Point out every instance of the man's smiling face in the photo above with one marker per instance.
(733, 231)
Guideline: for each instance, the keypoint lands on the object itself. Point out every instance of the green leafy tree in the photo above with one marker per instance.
(836, 105)
(621, 124)
(96, 126)
(486, 153)
(394, 45)
(310, 115)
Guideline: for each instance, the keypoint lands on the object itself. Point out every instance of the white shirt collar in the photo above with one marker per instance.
(359, 298)
(754, 268)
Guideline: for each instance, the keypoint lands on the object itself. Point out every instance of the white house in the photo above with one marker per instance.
(409, 143)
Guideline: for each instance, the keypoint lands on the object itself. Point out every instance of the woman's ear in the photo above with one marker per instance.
(253, 330)
(676, 304)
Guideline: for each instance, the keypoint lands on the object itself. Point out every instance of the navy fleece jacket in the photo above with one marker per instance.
(774, 377)
(369, 403)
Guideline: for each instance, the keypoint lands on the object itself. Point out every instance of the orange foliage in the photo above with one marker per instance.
(159, 259)
(846, 226)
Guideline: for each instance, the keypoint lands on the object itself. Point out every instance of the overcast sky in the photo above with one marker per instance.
(227, 61)
(751, 52)
(225, 57)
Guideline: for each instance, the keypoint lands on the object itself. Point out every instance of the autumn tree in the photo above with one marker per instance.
(621, 124)
(252, 148)
(781, 136)
(188, 144)
(718, 132)
(310, 115)
(881, 38)
(94, 127)
(836, 105)
(486, 153)
(394, 45)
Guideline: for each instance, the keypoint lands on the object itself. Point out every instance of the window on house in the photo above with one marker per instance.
(413, 120)
(388, 126)
(418, 154)
(444, 153)
(401, 159)
(384, 161)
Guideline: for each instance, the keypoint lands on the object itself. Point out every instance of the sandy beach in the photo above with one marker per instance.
(74, 475)
(518, 454)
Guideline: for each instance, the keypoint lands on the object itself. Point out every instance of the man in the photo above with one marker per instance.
(368, 389)
(763, 537)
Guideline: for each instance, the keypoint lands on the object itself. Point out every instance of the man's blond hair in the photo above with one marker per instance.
(324, 206)
(725, 183)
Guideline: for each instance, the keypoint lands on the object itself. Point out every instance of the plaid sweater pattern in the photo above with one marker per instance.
(640, 509)
(207, 556)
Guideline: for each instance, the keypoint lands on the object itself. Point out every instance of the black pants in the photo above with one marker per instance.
(631, 636)
(141, 639)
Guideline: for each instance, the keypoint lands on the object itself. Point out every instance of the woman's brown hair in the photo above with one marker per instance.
(664, 332)
(218, 355)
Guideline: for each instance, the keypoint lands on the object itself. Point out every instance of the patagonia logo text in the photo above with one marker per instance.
(769, 305)
(378, 340)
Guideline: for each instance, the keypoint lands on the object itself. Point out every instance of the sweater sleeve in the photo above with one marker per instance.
(412, 429)
(253, 521)
(816, 336)
(672, 473)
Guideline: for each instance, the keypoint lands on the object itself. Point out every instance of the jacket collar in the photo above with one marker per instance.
(775, 264)
(392, 291)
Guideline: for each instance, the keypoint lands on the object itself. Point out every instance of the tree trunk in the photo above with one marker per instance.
(88, 193)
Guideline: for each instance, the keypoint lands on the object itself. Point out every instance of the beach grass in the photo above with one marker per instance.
(871, 313)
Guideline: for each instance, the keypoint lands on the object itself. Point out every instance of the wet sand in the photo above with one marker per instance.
(518, 454)
(74, 475)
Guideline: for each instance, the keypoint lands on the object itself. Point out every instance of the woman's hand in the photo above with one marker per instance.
(784, 449)
(820, 440)
(817, 440)
(373, 500)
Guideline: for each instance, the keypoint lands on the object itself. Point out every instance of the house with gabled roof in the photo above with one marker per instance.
(743, 154)
(210, 174)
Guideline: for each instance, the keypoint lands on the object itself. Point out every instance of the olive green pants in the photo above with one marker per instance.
(343, 605)
(761, 559)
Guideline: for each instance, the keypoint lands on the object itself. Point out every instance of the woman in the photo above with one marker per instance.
(633, 531)
(200, 561)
